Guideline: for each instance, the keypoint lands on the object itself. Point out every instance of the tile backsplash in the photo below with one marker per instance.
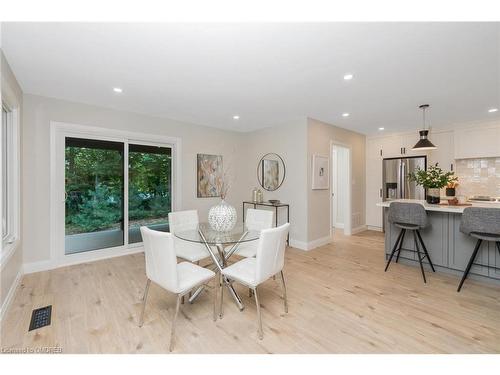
(478, 176)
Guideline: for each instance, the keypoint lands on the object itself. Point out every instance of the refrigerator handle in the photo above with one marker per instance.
(400, 189)
(403, 179)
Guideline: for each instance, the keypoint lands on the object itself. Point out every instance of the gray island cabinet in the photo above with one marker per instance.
(448, 248)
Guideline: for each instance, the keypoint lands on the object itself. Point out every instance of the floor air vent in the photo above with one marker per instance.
(40, 317)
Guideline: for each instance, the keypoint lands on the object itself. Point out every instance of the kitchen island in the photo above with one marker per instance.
(448, 248)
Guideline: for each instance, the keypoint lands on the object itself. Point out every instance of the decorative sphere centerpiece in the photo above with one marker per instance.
(222, 217)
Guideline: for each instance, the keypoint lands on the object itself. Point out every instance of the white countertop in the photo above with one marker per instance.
(440, 208)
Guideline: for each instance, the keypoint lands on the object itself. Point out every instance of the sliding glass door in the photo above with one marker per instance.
(100, 202)
(94, 178)
(149, 189)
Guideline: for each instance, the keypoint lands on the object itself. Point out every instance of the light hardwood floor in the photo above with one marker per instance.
(340, 301)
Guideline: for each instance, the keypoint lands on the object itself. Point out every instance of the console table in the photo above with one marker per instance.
(275, 206)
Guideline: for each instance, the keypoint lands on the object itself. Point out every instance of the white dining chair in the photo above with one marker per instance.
(162, 269)
(269, 261)
(182, 221)
(255, 220)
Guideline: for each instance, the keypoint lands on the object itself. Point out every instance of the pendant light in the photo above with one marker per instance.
(424, 144)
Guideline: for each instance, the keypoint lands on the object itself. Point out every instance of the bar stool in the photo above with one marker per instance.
(483, 224)
(413, 217)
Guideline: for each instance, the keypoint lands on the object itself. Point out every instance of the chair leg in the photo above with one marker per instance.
(182, 300)
(172, 331)
(250, 292)
(498, 246)
(221, 299)
(394, 250)
(417, 247)
(216, 287)
(425, 250)
(259, 317)
(144, 298)
(469, 265)
(400, 245)
(285, 301)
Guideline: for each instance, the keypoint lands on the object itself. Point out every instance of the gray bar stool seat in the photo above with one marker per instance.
(481, 223)
(413, 217)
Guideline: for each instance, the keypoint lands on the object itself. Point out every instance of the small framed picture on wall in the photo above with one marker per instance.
(320, 172)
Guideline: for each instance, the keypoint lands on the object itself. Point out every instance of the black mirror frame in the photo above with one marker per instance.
(284, 171)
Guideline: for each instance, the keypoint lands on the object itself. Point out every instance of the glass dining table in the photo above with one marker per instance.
(226, 244)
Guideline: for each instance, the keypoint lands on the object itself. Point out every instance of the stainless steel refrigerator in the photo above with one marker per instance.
(396, 184)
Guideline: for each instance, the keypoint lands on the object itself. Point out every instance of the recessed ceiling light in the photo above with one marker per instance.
(348, 76)
(118, 90)
(345, 114)
(491, 110)
(381, 128)
(236, 117)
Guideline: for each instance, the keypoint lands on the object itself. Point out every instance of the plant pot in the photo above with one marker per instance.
(450, 192)
(433, 195)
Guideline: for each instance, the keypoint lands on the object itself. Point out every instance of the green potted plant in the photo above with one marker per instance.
(433, 179)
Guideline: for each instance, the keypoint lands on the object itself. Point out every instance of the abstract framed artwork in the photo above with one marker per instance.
(320, 172)
(270, 174)
(209, 175)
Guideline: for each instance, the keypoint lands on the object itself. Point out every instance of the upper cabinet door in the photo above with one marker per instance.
(443, 155)
(477, 142)
(407, 143)
(391, 146)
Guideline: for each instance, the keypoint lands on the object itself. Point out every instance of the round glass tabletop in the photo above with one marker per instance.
(239, 234)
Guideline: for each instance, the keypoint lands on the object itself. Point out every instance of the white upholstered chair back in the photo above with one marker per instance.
(183, 220)
(161, 262)
(271, 252)
(258, 219)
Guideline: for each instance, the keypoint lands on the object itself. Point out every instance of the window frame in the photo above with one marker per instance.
(58, 133)
(10, 240)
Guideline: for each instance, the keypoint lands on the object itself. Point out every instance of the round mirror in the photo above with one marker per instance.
(271, 171)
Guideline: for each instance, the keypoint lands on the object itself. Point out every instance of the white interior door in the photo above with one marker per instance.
(340, 212)
(334, 187)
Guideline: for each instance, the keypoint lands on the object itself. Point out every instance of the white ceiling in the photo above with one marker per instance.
(266, 73)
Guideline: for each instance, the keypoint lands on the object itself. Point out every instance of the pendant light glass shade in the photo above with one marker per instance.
(424, 144)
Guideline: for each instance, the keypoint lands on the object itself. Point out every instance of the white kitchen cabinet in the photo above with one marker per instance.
(396, 146)
(444, 154)
(391, 146)
(477, 142)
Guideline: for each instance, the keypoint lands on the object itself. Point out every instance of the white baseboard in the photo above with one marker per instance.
(306, 246)
(319, 242)
(301, 245)
(11, 294)
(371, 227)
(43, 265)
(359, 229)
(46, 265)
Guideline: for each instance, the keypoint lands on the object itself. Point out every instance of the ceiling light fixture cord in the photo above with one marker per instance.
(423, 116)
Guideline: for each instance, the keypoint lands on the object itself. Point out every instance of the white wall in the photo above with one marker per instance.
(11, 263)
(39, 111)
(319, 135)
(288, 141)
(294, 141)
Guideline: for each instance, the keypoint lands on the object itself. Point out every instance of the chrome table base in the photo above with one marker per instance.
(220, 262)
